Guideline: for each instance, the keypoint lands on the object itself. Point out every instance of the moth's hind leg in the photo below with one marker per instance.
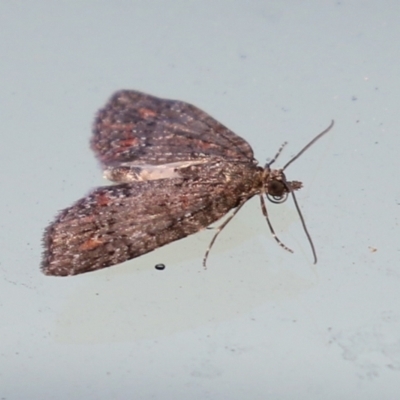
(219, 229)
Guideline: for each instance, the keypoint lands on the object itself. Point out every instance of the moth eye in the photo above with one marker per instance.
(276, 188)
(277, 192)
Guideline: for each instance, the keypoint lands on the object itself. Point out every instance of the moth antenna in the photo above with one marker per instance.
(264, 211)
(303, 223)
(264, 208)
(219, 229)
(276, 155)
(292, 191)
(309, 145)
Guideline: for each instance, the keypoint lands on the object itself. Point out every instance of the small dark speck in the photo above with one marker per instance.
(354, 98)
(160, 267)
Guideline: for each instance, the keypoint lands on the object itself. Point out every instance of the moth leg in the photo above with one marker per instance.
(264, 211)
(219, 229)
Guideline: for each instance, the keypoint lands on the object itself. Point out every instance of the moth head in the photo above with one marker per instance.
(277, 187)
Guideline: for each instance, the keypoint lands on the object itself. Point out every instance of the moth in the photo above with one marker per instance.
(176, 171)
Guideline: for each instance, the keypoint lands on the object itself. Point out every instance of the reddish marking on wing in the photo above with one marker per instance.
(102, 199)
(146, 113)
(203, 145)
(129, 142)
(184, 201)
(90, 244)
(107, 123)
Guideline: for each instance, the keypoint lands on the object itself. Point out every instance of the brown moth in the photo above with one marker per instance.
(177, 170)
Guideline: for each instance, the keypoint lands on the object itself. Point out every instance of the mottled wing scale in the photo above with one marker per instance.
(117, 223)
(178, 162)
(141, 129)
(178, 170)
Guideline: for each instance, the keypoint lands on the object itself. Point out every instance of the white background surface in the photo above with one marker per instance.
(259, 322)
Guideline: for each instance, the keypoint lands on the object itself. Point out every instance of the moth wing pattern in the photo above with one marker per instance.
(117, 223)
(137, 128)
(177, 169)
